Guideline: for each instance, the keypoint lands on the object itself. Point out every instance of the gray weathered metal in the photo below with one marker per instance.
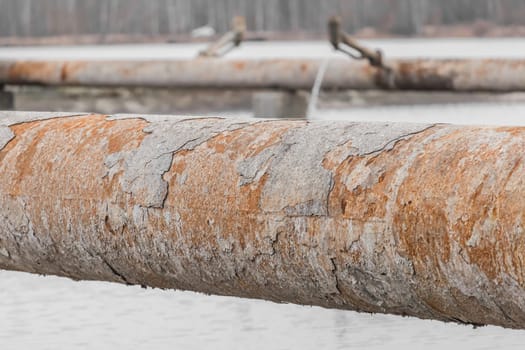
(228, 41)
(408, 219)
(6, 99)
(423, 74)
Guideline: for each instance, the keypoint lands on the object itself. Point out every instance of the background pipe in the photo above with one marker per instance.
(496, 75)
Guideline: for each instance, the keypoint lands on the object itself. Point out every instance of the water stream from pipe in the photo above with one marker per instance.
(314, 95)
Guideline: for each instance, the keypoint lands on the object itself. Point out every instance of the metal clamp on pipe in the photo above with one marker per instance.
(228, 41)
(342, 41)
(338, 38)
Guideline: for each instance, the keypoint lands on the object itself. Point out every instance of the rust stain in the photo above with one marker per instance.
(303, 67)
(423, 75)
(239, 65)
(216, 198)
(178, 164)
(38, 144)
(363, 199)
(466, 197)
(56, 168)
(222, 142)
(132, 138)
(38, 72)
(63, 73)
(361, 183)
(463, 199)
(70, 70)
(209, 165)
(252, 194)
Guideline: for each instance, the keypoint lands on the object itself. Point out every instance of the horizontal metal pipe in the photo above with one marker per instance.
(423, 74)
(408, 219)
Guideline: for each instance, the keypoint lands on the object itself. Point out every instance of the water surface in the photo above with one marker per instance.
(392, 48)
(56, 313)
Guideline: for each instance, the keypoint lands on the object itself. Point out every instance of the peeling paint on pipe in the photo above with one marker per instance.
(424, 74)
(407, 219)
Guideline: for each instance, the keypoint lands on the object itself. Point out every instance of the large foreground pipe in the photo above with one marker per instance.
(425, 74)
(409, 219)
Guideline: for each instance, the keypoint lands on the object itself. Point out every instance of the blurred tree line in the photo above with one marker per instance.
(41, 18)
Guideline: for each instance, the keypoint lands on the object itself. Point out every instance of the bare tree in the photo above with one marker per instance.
(34, 18)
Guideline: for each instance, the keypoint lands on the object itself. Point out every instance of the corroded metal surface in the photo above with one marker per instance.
(422, 220)
(424, 74)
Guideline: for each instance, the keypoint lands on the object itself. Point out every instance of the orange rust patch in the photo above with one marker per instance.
(461, 195)
(239, 65)
(421, 74)
(336, 156)
(221, 142)
(111, 185)
(34, 71)
(513, 131)
(251, 194)
(361, 186)
(65, 151)
(132, 137)
(179, 164)
(211, 167)
(56, 168)
(217, 208)
(70, 69)
(63, 73)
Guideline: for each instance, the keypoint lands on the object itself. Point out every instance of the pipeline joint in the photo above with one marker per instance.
(228, 41)
(342, 41)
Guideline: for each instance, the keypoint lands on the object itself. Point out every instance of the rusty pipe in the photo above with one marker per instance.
(424, 74)
(408, 219)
